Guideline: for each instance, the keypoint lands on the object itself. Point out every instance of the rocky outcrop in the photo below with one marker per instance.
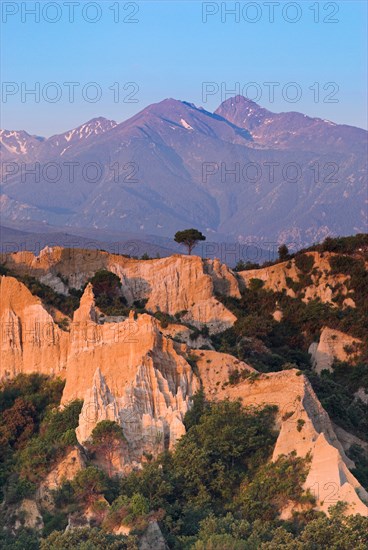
(224, 280)
(215, 369)
(30, 339)
(323, 285)
(332, 345)
(274, 277)
(304, 427)
(145, 385)
(65, 470)
(362, 394)
(129, 371)
(28, 515)
(134, 373)
(152, 539)
(183, 334)
(277, 315)
(172, 285)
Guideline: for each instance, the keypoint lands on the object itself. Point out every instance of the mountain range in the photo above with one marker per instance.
(240, 174)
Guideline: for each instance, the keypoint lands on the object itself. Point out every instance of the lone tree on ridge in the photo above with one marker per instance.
(189, 238)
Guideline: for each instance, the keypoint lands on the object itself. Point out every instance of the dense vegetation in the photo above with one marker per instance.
(34, 435)
(270, 345)
(218, 489)
(107, 291)
(355, 244)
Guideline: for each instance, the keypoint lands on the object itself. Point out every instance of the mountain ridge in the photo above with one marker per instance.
(238, 99)
(174, 165)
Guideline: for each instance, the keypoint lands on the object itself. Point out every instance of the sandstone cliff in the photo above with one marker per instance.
(134, 373)
(305, 428)
(30, 339)
(323, 284)
(177, 284)
(333, 344)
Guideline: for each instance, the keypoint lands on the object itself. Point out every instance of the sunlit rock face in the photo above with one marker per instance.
(304, 427)
(333, 344)
(177, 284)
(134, 373)
(30, 339)
(133, 376)
(322, 284)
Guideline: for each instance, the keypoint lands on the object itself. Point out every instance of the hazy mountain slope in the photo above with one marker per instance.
(258, 175)
(13, 240)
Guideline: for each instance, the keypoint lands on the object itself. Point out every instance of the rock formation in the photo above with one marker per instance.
(323, 284)
(333, 344)
(65, 470)
(177, 284)
(304, 427)
(135, 373)
(152, 538)
(362, 395)
(28, 515)
(30, 339)
(145, 385)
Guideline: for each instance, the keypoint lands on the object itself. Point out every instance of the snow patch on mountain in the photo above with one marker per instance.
(19, 142)
(185, 124)
(92, 128)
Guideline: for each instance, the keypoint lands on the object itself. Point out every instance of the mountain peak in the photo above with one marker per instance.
(169, 105)
(240, 110)
(240, 101)
(100, 122)
(18, 142)
(94, 126)
(175, 114)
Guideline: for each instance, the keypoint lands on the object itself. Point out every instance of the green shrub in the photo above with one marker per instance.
(246, 266)
(197, 409)
(360, 458)
(85, 539)
(255, 284)
(345, 245)
(107, 291)
(304, 262)
(89, 484)
(51, 443)
(273, 486)
(226, 443)
(299, 425)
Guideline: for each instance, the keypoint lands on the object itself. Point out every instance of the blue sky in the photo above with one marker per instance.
(171, 51)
